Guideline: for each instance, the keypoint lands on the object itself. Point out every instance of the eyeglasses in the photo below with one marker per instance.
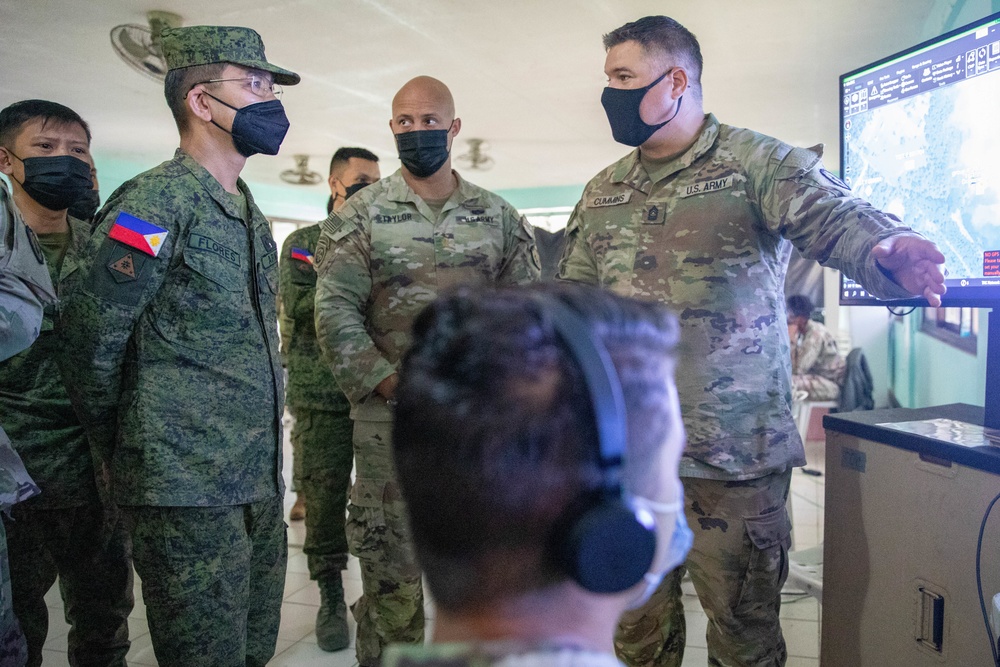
(259, 86)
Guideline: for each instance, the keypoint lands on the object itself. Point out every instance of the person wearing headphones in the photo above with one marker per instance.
(537, 437)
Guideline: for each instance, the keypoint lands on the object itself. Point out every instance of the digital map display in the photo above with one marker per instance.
(921, 140)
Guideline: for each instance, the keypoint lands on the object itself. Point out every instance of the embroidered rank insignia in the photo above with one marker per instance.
(137, 233)
(302, 255)
(653, 213)
(123, 268)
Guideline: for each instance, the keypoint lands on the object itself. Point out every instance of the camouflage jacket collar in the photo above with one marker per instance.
(76, 252)
(466, 194)
(214, 188)
(630, 171)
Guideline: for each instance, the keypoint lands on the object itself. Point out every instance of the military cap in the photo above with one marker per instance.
(208, 44)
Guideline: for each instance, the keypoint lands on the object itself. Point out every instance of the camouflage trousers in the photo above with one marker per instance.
(323, 442)
(738, 564)
(391, 608)
(88, 550)
(212, 581)
(818, 387)
(13, 648)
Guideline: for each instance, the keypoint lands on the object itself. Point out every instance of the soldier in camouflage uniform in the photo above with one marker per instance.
(321, 434)
(817, 367)
(700, 218)
(177, 373)
(25, 290)
(380, 260)
(67, 531)
(499, 460)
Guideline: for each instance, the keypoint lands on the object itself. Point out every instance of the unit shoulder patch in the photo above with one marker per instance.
(138, 233)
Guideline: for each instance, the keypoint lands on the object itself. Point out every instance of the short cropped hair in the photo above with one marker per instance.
(179, 82)
(799, 305)
(13, 118)
(344, 155)
(663, 34)
(495, 437)
(340, 160)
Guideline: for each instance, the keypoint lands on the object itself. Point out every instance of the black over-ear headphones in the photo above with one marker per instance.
(605, 547)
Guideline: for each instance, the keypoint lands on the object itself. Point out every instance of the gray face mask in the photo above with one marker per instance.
(680, 545)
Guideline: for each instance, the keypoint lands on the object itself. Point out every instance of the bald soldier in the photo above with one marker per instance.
(380, 259)
(701, 217)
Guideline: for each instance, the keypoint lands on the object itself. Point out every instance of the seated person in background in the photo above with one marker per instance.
(817, 367)
(534, 531)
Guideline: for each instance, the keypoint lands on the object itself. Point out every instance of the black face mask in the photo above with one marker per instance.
(56, 182)
(423, 152)
(257, 128)
(622, 108)
(86, 206)
(351, 189)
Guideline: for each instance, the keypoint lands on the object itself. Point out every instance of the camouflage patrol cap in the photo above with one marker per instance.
(208, 44)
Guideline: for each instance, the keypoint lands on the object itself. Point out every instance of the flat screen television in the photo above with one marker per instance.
(920, 138)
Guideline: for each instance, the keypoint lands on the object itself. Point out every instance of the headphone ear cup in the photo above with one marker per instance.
(608, 550)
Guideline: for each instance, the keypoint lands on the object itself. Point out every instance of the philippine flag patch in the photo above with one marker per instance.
(302, 255)
(138, 233)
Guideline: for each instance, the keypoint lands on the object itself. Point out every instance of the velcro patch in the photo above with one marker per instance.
(707, 187)
(611, 200)
(138, 233)
(123, 268)
(124, 263)
(200, 242)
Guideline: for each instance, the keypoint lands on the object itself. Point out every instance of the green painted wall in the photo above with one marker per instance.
(925, 371)
(283, 201)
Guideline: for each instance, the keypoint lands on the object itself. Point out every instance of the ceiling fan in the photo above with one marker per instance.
(139, 45)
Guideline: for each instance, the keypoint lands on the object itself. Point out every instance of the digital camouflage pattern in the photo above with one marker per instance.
(25, 284)
(385, 255)
(310, 381)
(209, 44)
(64, 531)
(321, 434)
(817, 367)
(382, 258)
(174, 363)
(708, 235)
(391, 607)
(88, 549)
(212, 580)
(35, 409)
(738, 565)
(497, 654)
(327, 454)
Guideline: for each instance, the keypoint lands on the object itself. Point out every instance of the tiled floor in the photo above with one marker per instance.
(297, 638)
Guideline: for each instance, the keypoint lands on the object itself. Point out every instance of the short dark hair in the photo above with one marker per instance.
(342, 157)
(179, 82)
(495, 437)
(666, 35)
(799, 305)
(13, 118)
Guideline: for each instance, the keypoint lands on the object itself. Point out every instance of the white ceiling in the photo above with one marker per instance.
(526, 74)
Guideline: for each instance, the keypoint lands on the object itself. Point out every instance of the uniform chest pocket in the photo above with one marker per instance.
(211, 304)
(474, 242)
